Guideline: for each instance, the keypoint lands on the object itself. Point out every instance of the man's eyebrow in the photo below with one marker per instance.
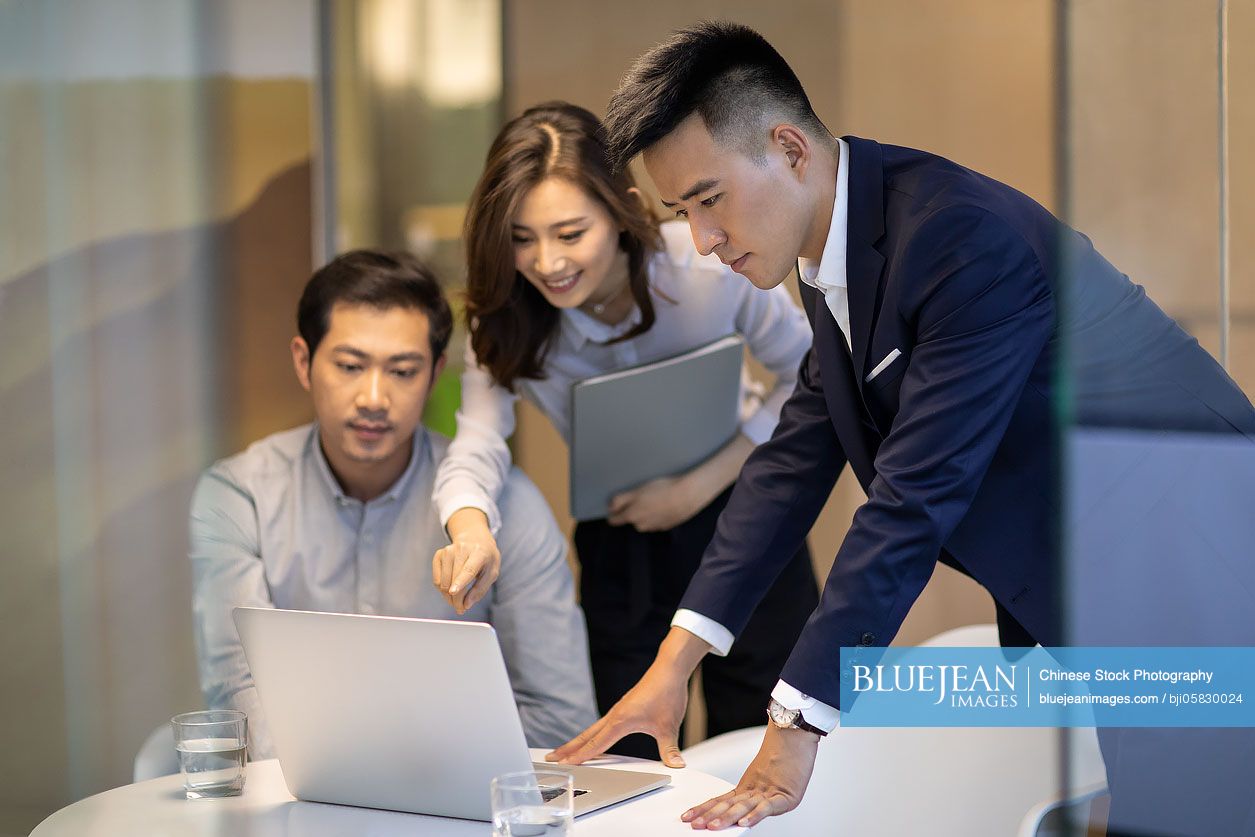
(417, 357)
(696, 189)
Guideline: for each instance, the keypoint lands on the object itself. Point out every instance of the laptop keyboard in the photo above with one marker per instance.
(550, 794)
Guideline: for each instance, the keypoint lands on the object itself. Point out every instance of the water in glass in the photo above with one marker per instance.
(212, 766)
(531, 821)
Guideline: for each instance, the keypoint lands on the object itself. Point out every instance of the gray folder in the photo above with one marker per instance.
(651, 421)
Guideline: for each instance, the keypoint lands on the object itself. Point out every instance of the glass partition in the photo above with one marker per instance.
(155, 208)
(1156, 434)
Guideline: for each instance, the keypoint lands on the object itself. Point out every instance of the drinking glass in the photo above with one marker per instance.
(212, 747)
(532, 804)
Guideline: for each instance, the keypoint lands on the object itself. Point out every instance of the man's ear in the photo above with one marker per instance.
(642, 200)
(796, 146)
(640, 196)
(300, 360)
(436, 370)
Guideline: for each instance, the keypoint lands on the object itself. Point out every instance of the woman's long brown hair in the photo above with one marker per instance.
(512, 326)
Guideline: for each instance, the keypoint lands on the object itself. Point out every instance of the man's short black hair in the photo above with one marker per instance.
(382, 280)
(726, 72)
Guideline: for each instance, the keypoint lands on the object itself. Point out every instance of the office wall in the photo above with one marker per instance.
(972, 80)
(1143, 168)
(155, 215)
(1240, 113)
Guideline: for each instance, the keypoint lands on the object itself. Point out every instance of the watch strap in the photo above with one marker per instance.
(802, 725)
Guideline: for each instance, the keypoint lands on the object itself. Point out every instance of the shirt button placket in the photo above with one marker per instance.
(367, 567)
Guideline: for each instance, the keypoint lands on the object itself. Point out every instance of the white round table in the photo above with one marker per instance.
(158, 807)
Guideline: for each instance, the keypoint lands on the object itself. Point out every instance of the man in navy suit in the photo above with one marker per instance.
(939, 314)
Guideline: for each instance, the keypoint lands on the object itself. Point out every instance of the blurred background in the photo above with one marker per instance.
(172, 170)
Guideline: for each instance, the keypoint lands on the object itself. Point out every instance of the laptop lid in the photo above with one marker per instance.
(404, 714)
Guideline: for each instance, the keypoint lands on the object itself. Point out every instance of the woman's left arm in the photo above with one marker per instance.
(667, 502)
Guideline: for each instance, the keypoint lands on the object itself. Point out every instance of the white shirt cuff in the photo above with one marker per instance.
(703, 627)
(472, 501)
(814, 712)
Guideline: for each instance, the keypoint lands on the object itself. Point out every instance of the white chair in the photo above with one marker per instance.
(1087, 775)
(968, 636)
(942, 781)
(156, 756)
(1077, 802)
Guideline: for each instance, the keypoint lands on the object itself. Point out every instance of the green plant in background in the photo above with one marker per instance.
(446, 397)
(440, 414)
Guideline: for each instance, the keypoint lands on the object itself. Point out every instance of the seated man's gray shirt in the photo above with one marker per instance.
(271, 527)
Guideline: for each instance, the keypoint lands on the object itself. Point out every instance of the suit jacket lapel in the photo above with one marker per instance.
(863, 263)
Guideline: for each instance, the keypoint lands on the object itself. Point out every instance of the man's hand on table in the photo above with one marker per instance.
(773, 783)
(654, 706)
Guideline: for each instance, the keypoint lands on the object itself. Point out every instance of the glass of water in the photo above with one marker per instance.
(532, 804)
(212, 747)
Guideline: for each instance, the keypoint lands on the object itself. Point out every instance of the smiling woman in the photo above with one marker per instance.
(545, 209)
(566, 246)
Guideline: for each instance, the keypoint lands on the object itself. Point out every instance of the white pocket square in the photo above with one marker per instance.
(884, 364)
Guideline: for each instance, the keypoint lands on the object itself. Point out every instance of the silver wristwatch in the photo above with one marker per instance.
(783, 718)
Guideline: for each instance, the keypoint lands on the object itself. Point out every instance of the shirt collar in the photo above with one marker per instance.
(396, 490)
(585, 328)
(829, 271)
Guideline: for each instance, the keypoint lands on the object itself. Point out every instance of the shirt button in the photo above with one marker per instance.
(867, 638)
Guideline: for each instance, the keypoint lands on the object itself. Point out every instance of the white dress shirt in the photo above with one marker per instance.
(828, 274)
(828, 277)
(697, 300)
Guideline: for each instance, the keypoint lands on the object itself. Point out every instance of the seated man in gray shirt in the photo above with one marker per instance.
(334, 515)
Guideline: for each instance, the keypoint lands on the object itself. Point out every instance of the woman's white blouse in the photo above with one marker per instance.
(696, 300)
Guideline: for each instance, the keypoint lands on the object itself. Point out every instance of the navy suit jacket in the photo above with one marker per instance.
(956, 440)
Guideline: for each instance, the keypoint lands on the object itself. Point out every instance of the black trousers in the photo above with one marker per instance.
(630, 586)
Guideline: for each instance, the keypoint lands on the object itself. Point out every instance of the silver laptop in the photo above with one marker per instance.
(405, 714)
